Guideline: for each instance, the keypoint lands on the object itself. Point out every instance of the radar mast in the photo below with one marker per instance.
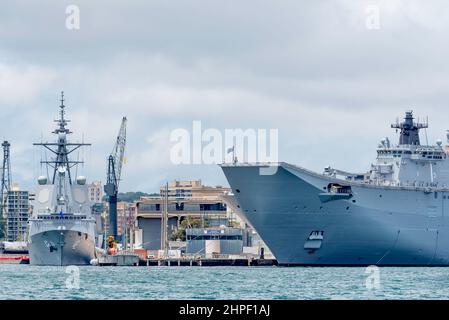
(61, 163)
(409, 129)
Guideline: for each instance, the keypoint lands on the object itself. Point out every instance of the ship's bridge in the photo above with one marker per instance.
(428, 153)
(416, 153)
(393, 152)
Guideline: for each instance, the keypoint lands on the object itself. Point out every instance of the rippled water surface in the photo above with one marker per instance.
(32, 282)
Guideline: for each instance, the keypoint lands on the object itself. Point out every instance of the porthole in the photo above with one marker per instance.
(237, 190)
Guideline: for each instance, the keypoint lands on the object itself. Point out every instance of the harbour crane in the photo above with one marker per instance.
(5, 185)
(115, 163)
(6, 177)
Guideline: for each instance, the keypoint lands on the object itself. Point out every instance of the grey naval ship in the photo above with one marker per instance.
(62, 228)
(395, 214)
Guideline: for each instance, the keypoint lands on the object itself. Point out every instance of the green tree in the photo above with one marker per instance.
(131, 196)
(233, 224)
(187, 223)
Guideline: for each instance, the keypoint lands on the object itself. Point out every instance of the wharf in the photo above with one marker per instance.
(118, 260)
(183, 262)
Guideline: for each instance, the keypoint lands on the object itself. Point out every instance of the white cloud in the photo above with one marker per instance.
(20, 84)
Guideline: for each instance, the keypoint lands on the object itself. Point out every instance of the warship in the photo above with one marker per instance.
(62, 227)
(395, 214)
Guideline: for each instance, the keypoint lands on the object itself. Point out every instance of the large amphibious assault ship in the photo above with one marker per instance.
(62, 228)
(397, 213)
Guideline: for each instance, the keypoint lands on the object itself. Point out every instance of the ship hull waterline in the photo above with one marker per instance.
(61, 248)
(375, 226)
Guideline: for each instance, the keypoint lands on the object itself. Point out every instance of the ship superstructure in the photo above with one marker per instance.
(397, 213)
(406, 164)
(62, 228)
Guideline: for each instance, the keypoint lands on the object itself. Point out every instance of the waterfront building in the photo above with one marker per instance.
(186, 199)
(17, 213)
(126, 215)
(192, 189)
(210, 242)
(96, 192)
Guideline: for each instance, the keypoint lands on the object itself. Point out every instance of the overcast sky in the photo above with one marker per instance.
(311, 69)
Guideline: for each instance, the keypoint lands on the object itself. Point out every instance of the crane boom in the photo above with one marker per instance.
(115, 163)
(119, 150)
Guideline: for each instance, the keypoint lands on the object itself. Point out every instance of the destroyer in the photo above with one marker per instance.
(62, 229)
(397, 213)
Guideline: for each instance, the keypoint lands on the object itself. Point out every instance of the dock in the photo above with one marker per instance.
(207, 262)
(121, 260)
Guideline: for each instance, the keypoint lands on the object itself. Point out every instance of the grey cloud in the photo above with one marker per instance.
(309, 68)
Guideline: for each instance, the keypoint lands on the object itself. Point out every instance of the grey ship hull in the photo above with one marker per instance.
(383, 226)
(61, 248)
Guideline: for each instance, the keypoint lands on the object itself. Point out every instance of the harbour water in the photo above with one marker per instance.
(49, 283)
